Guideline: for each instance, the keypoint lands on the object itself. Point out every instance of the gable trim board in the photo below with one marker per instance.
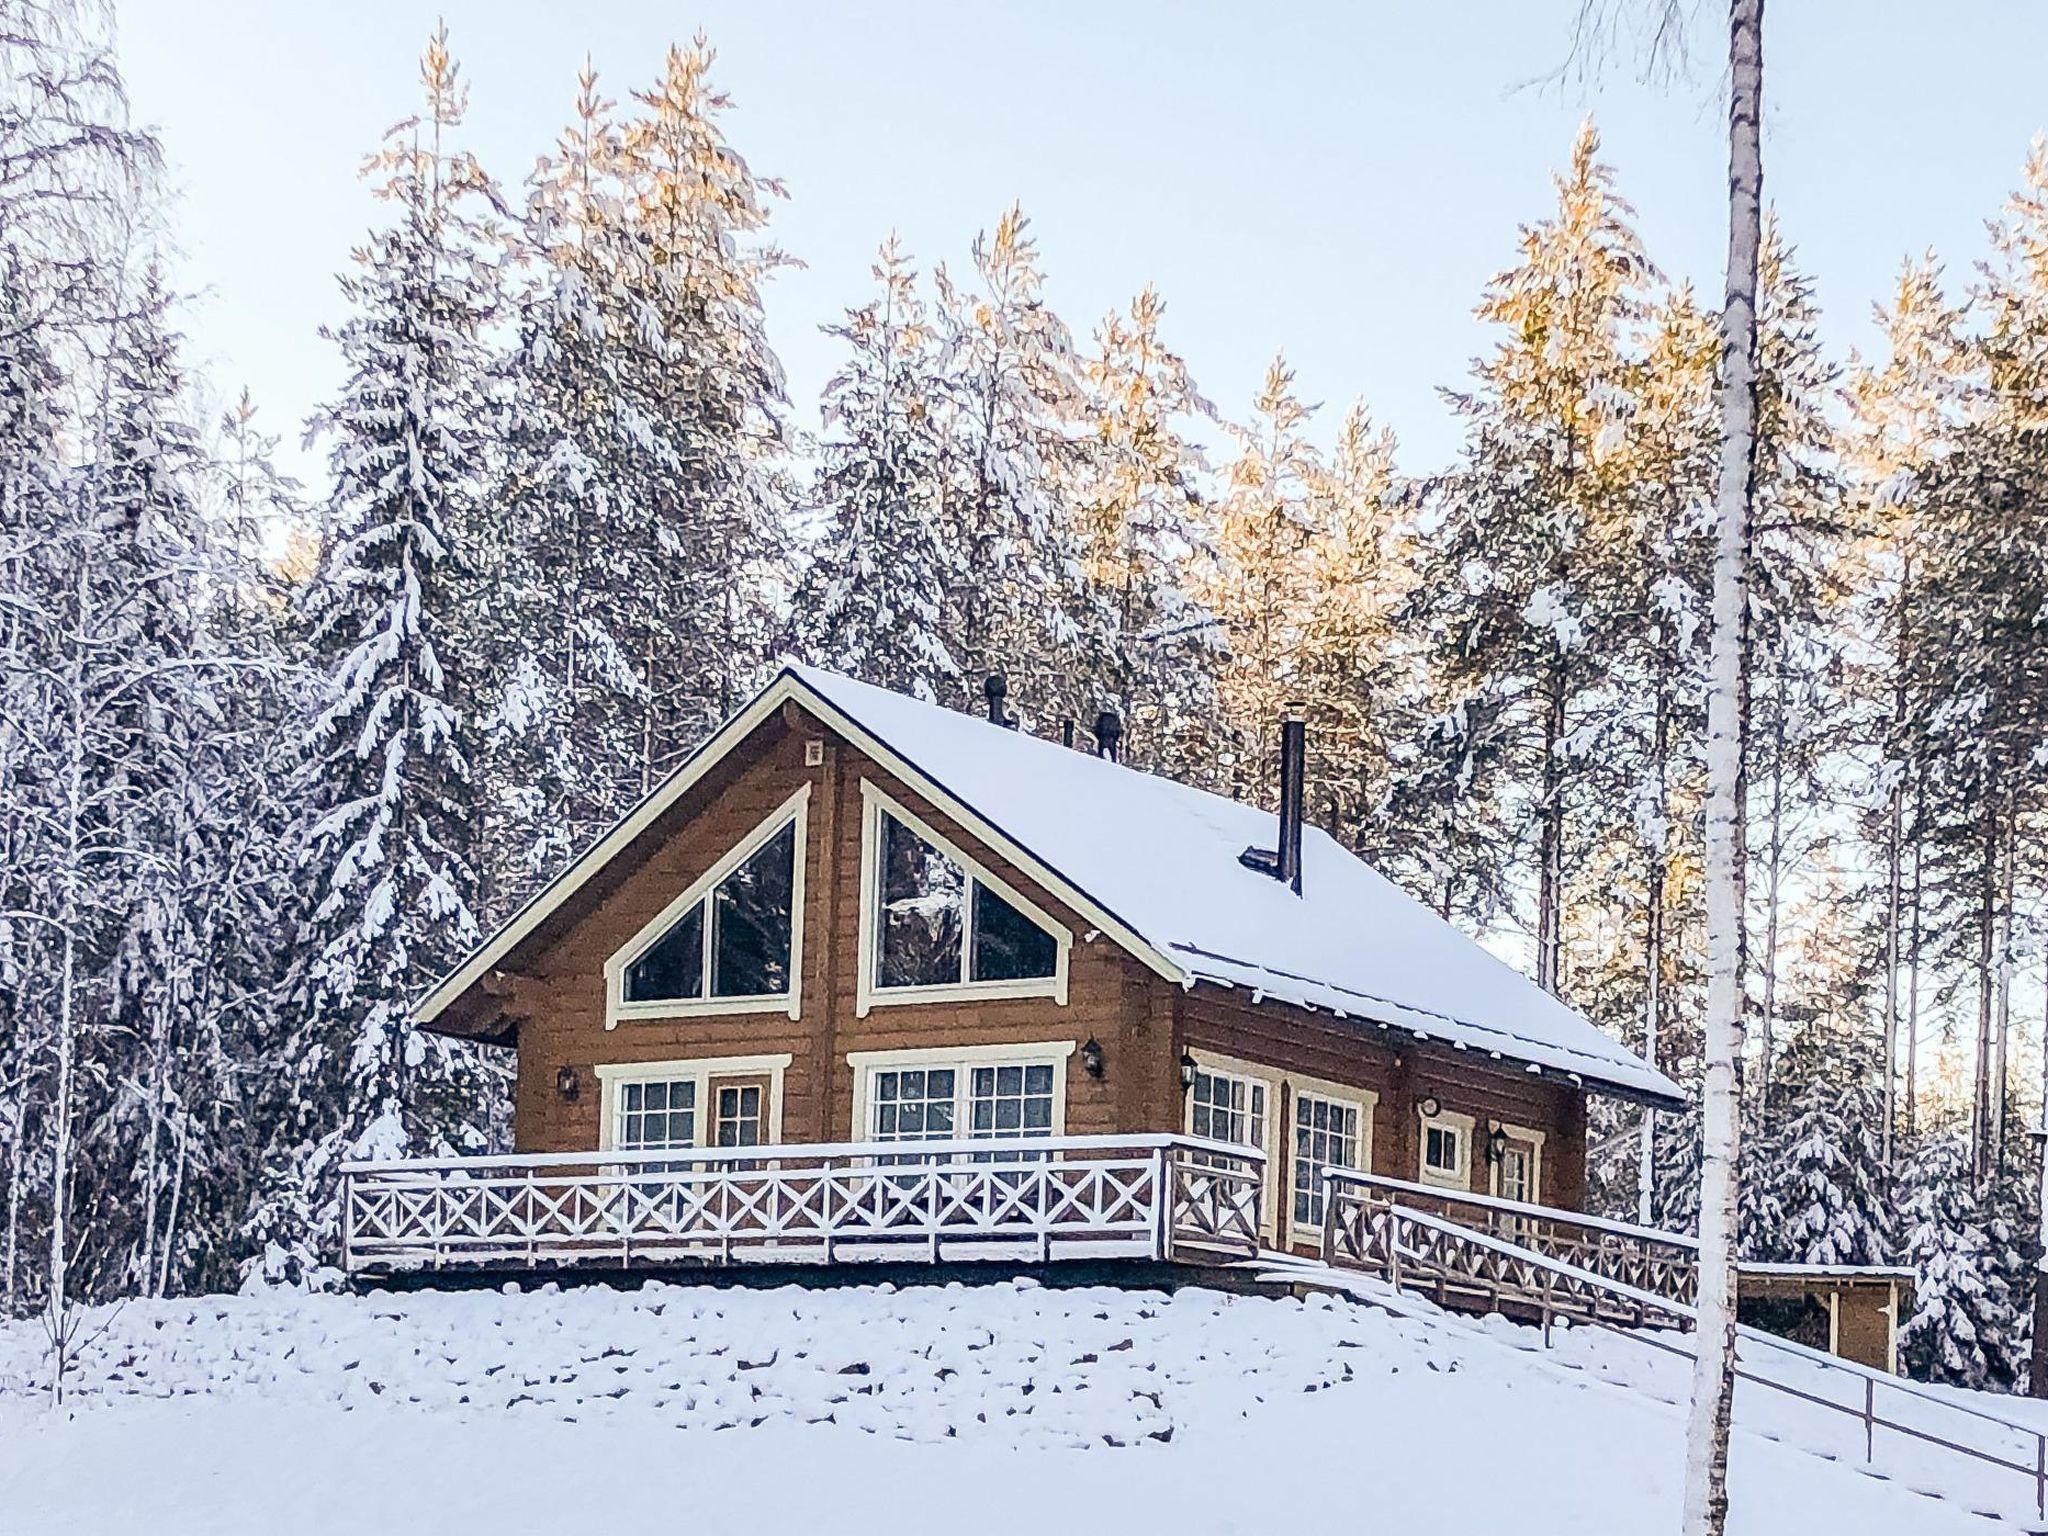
(839, 704)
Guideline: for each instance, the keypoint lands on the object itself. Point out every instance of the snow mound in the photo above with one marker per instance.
(1009, 1407)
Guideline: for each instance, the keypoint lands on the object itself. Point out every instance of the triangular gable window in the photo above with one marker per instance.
(735, 936)
(940, 922)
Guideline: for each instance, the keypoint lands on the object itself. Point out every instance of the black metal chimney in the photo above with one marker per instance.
(995, 688)
(1283, 861)
(1293, 772)
(1109, 731)
(1067, 730)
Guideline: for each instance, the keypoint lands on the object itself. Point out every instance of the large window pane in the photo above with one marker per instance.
(923, 902)
(914, 1105)
(674, 966)
(656, 1116)
(751, 922)
(1012, 1100)
(1008, 946)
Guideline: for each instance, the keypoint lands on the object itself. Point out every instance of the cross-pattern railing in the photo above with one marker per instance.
(1466, 1249)
(1020, 1199)
(1363, 1222)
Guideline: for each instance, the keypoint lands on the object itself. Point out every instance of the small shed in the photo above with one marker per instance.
(1849, 1310)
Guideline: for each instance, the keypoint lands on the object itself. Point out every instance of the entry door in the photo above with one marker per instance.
(739, 1111)
(1516, 1178)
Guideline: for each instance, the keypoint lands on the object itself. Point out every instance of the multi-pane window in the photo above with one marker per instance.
(912, 1104)
(937, 925)
(734, 942)
(654, 1116)
(1325, 1136)
(1011, 1100)
(1229, 1108)
(737, 1114)
(1443, 1153)
(1518, 1172)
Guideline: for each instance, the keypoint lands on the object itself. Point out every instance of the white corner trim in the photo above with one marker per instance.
(875, 803)
(795, 810)
(962, 1058)
(697, 1069)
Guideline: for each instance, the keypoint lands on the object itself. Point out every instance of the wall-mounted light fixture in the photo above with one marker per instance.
(1497, 1144)
(1430, 1107)
(1187, 1071)
(568, 1084)
(1091, 1057)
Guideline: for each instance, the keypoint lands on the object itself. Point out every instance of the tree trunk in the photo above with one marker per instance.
(1892, 892)
(1912, 1115)
(1987, 920)
(1550, 875)
(1774, 854)
(1653, 971)
(2037, 1363)
(1713, 1384)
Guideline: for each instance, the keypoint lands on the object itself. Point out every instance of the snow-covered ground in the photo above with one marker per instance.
(999, 1408)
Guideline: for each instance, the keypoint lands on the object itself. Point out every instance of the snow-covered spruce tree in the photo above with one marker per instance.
(1022, 603)
(1960, 1328)
(1815, 1187)
(1151, 648)
(387, 848)
(1534, 528)
(873, 601)
(642, 490)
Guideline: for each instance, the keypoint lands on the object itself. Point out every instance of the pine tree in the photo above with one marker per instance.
(1534, 530)
(1022, 603)
(1267, 522)
(1150, 647)
(874, 598)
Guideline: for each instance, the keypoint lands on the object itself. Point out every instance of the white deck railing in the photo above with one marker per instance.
(1017, 1199)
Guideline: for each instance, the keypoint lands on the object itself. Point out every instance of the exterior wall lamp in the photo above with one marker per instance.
(1187, 1071)
(568, 1084)
(1091, 1057)
(1497, 1144)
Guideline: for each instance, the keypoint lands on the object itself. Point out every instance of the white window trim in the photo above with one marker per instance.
(796, 809)
(962, 1058)
(1518, 1133)
(867, 995)
(1461, 1123)
(1215, 1065)
(1364, 1100)
(700, 1070)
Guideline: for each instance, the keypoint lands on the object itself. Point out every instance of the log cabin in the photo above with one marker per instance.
(855, 925)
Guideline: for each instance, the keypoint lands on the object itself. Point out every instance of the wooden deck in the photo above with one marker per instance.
(1025, 1200)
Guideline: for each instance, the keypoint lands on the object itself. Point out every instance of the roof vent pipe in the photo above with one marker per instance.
(995, 688)
(1293, 771)
(1283, 861)
(1067, 731)
(1109, 732)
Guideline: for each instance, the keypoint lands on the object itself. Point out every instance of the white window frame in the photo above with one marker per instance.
(1211, 1064)
(796, 810)
(1454, 1120)
(962, 1059)
(875, 803)
(1518, 1133)
(1364, 1100)
(697, 1069)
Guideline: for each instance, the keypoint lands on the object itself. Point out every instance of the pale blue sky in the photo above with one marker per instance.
(1336, 179)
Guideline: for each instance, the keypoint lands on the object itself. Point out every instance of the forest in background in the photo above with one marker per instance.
(273, 756)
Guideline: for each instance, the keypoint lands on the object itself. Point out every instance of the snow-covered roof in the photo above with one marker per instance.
(1162, 858)
(1155, 864)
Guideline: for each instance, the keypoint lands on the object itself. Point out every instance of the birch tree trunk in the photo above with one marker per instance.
(1713, 1385)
